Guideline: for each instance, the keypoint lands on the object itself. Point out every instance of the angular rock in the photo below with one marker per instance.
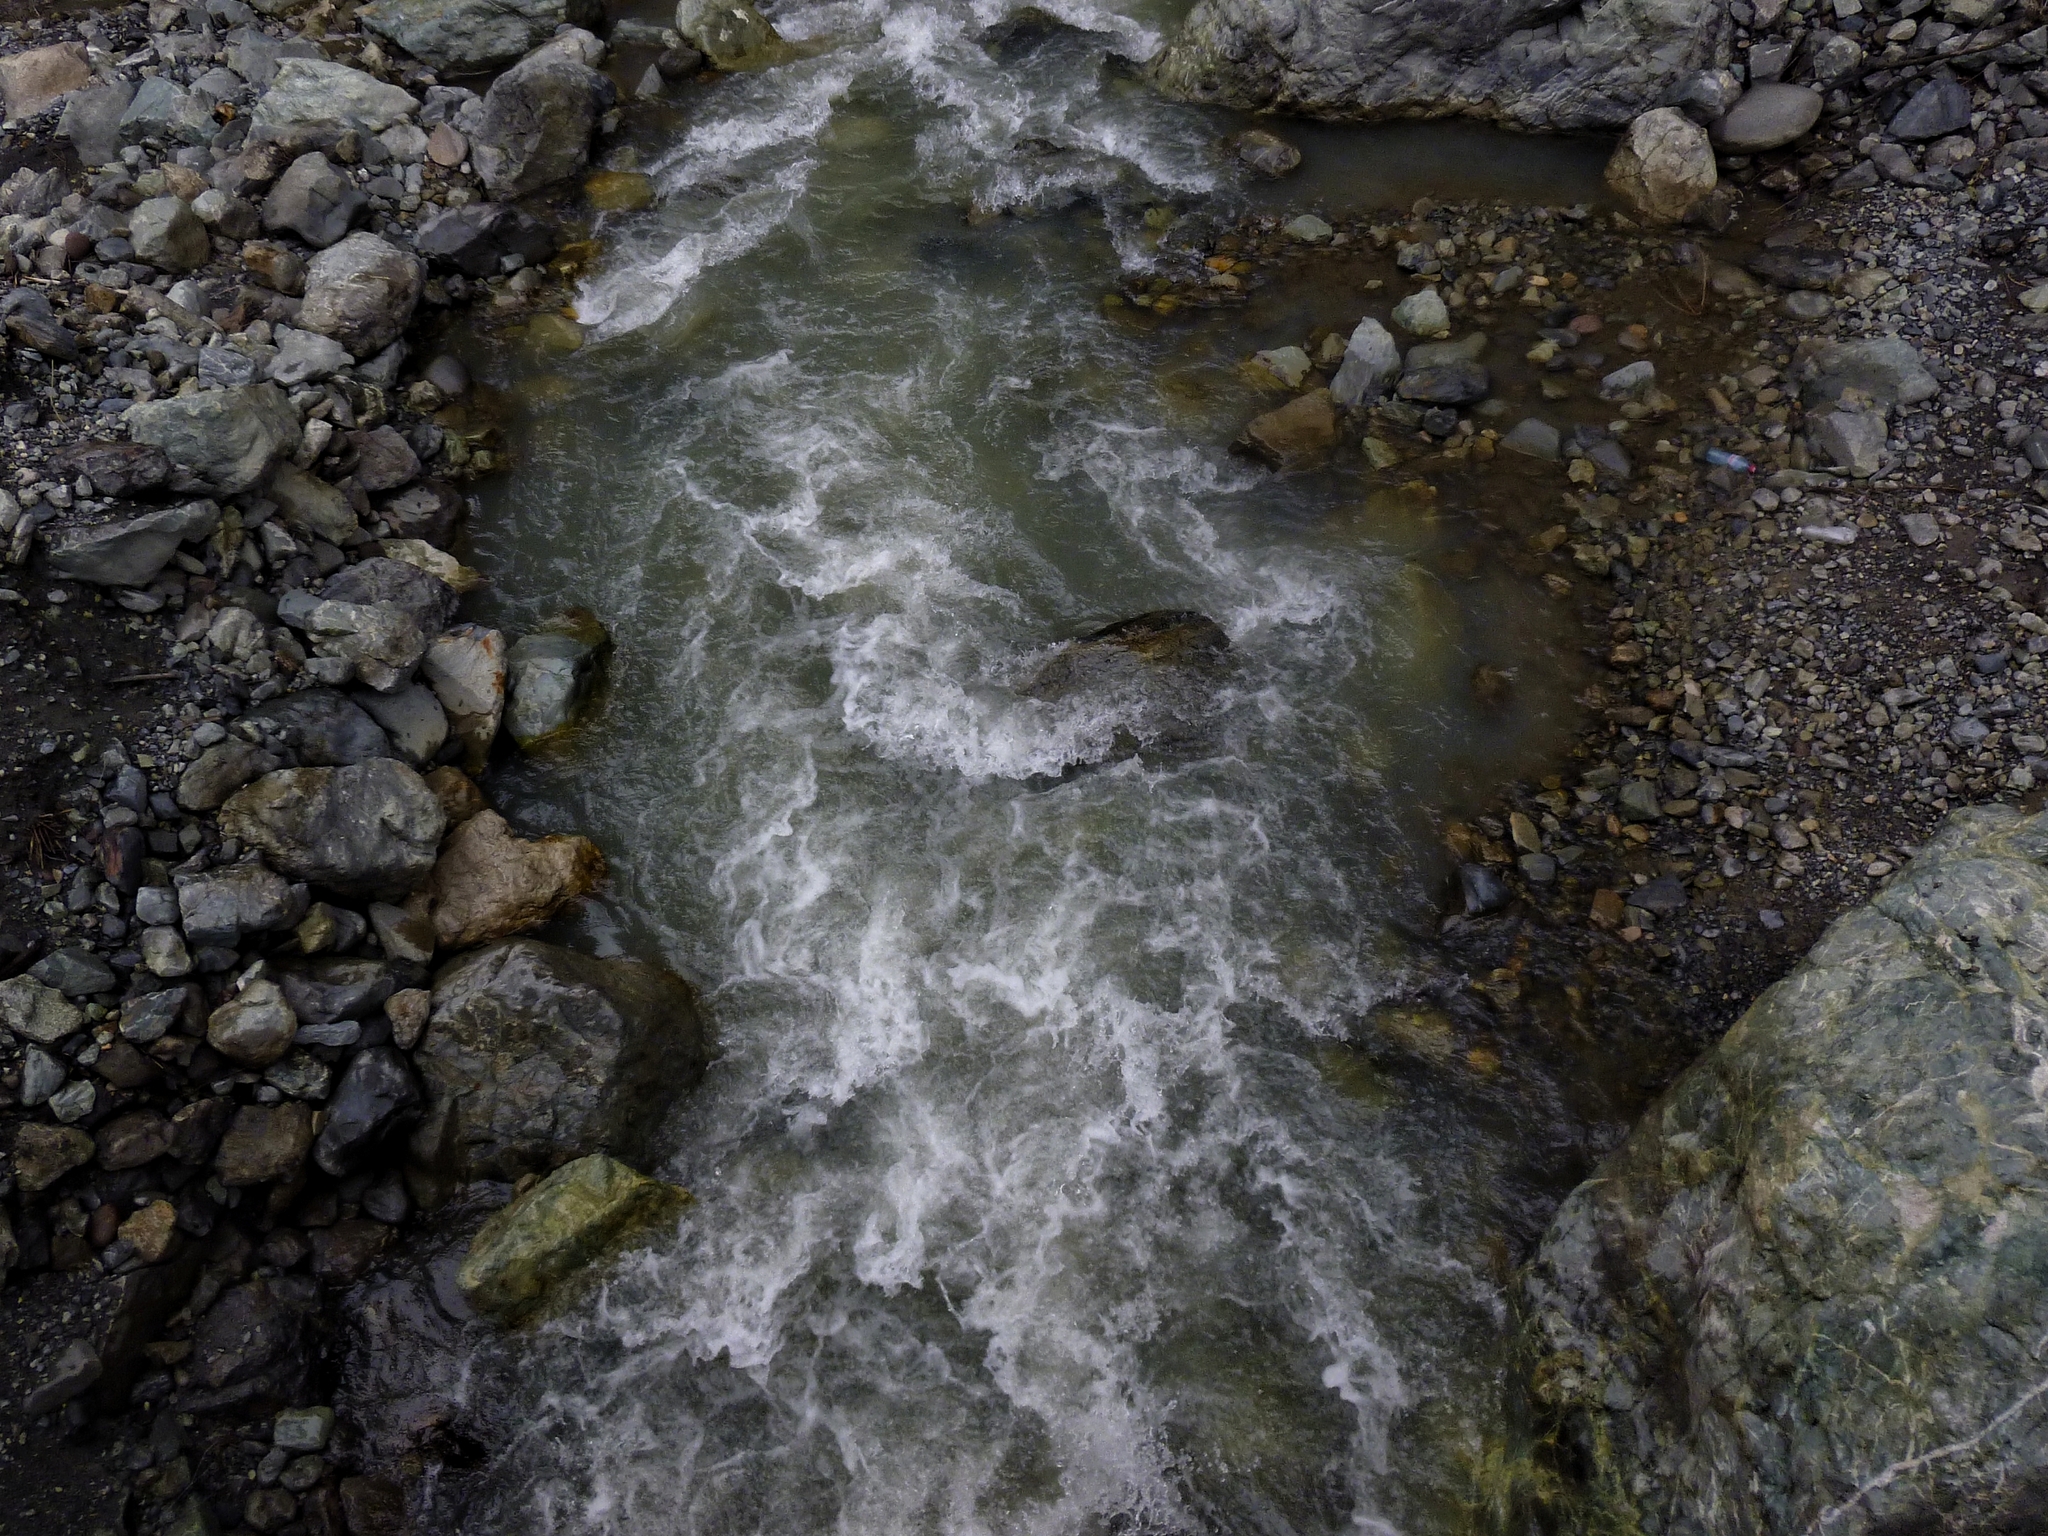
(254, 1027)
(167, 233)
(475, 239)
(1939, 108)
(333, 987)
(1853, 441)
(384, 460)
(222, 905)
(361, 292)
(305, 357)
(264, 1142)
(427, 600)
(163, 110)
(1265, 152)
(43, 1154)
(370, 829)
(311, 103)
(92, 122)
(314, 507)
(230, 438)
(114, 468)
(376, 1096)
(428, 512)
(130, 552)
(466, 668)
(1664, 167)
(1459, 383)
(75, 1369)
(250, 1348)
(1843, 1165)
(413, 719)
(315, 201)
(551, 673)
(535, 1055)
(1768, 116)
(1371, 362)
(132, 1140)
(37, 1012)
(323, 729)
(221, 770)
(572, 1218)
(1887, 368)
(731, 34)
(342, 1255)
(1537, 439)
(1297, 434)
(538, 118)
(1629, 380)
(489, 884)
(33, 81)
(1423, 313)
(74, 972)
(468, 37)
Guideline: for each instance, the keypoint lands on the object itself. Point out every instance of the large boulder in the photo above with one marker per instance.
(130, 551)
(534, 1055)
(429, 601)
(1664, 166)
(323, 729)
(361, 293)
(380, 642)
(315, 200)
(1515, 61)
(1371, 363)
(539, 116)
(551, 674)
(1807, 1293)
(31, 81)
(468, 37)
(489, 884)
(1768, 116)
(163, 110)
(370, 829)
(731, 34)
(229, 438)
(1889, 369)
(569, 1220)
(311, 103)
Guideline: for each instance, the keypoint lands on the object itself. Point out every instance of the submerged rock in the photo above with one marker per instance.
(1297, 434)
(1265, 152)
(570, 1219)
(1818, 1258)
(551, 673)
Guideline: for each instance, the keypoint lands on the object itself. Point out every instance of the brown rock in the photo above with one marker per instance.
(264, 1142)
(255, 1027)
(408, 1012)
(43, 1154)
(460, 798)
(489, 884)
(446, 147)
(131, 1140)
(275, 267)
(31, 81)
(1298, 433)
(196, 1129)
(123, 1066)
(373, 1506)
(152, 1230)
(345, 1251)
(1608, 909)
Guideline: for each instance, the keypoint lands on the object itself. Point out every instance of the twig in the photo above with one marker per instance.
(143, 677)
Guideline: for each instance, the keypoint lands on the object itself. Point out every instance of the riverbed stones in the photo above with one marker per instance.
(1371, 363)
(1298, 434)
(371, 1103)
(361, 292)
(311, 103)
(550, 675)
(1663, 167)
(1888, 369)
(37, 1012)
(469, 37)
(315, 200)
(1454, 383)
(131, 551)
(476, 238)
(166, 233)
(731, 34)
(322, 728)
(232, 439)
(264, 1142)
(221, 770)
(572, 1218)
(91, 120)
(1939, 108)
(1265, 152)
(489, 884)
(1849, 1163)
(1423, 313)
(32, 81)
(538, 117)
(1850, 440)
(1769, 116)
(534, 1055)
(370, 829)
(1534, 438)
(413, 720)
(43, 1154)
(310, 505)
(254, 1027)
(220, 905)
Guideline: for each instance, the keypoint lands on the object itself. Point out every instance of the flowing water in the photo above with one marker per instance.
(1037, 1189)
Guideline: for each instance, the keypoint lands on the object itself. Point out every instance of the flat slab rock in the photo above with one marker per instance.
(1809, 1292)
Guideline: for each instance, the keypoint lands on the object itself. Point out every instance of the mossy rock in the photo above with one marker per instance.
(582, 1212)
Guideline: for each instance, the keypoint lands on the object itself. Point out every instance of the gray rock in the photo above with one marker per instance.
(1707, 96)
(468, 37)
(254, 1027)
(1509, 60)
(44, 334)
(315, 201)
(1459, 383)
(306, 357)
(376, 1096)
(380, 643)
(429, 601)
(1371, 362)
(222, 905)
(323, 729)
(370, 829)
(1937, 109)
(539, 116)
(220, 770)
(1887, 368)
(1849, 440)
(332, 988)
(42, 1075)
(384, 460)
(731, 34)
(312, 506)
(230, 438)
(164, 953)
(130, 552)
(222, 366)
(1628, 381)
(91, 120)
(1537, 439)
(1804, 304)
(1663, 167)
(1811, 1266)
(33, 193)
(167, 233)
(75, 973)
(163, 110)
(75, 1369)
(550, 675)
(414, 720)
(534, 1055)
(255, 55)
(1265, 152)
(1423, 313)
(1769, 116)
(361, 292)
(311, 103)
(476, 239)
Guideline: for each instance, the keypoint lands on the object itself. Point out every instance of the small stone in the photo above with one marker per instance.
(1921, 528)
(164, 953)
(408, 1012)
(1639, 802)
(76, 1368)
(1937, 109)
(1265, 152)
(1423, 314)
(1537, 439)
(1307, 228)
(304, 1430)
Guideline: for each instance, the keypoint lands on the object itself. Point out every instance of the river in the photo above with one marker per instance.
(1043, 1183)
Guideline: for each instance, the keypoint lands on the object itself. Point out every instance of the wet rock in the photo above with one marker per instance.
(1362, 60)
(221, 770)
(1371, 362)
(303, 1430)
(535, 1055)
(1537, 439)
(197, 1128)
(572, 1218)
(551, 673)
(315, 201)
(1937, 109)
(1482, 890)
(322, 728)
(1445, 384)
(1886, 368)
(729, 35)
(36, 1012)
(1265, 152)
(1663, 167)
(373, 1506)
(468, 37)
(375, 1098)
(344, 1252)
(250, 1348)
(1628, 382)
(361, 292)
(230, 438)
(132, 1140)
(384, 460)
(427, 600)
(32, 81)
(1797, 267)
(167, 233)
(1423, 314)
(1299, 433)
(74, 972)
(222, 905)
(539, 116)
(1819, 1176)
(489, 884)
(331, 989)
(115, 469)
(370, 829)
(1769, 116)
(130, 552)
(413, 719)
(311, 103)
(264, 1142)
(476, 238)
(43, 1154)
(466, 668)
(255, 1027)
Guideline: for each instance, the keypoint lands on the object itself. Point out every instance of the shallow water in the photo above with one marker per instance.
(1037, 1189)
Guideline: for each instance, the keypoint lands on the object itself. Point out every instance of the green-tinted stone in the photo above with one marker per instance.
(618, 191)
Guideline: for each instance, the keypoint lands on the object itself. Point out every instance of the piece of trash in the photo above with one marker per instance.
(1827, 534)
(1726, 460)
